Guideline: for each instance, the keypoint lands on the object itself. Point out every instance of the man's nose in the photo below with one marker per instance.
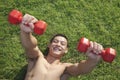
(58, 44)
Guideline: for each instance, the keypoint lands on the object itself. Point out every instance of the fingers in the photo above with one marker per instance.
(33, 20)
(99, 48)
(25, 29)
(28, 19)
(94, 50)
(31, 25)
(96, 47)
(28, 22)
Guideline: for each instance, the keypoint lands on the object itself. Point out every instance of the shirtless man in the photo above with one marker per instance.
(50, 67)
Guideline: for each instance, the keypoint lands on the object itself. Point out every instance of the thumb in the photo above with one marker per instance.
(31, 25)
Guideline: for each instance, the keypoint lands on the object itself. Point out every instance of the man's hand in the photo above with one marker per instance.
(27, 24)
(94, 51)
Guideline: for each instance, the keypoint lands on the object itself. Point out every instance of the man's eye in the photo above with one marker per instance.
(55, 41)
(63, 43)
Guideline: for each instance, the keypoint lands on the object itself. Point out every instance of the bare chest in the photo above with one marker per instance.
(44, 71)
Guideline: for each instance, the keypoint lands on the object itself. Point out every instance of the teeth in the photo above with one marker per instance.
(56, 49)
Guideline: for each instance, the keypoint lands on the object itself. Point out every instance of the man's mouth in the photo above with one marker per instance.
(57, 48)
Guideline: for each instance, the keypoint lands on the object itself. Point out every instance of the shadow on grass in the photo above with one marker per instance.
(21, 74)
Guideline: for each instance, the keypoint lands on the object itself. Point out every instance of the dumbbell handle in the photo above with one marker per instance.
(15, 17)
(108, 54)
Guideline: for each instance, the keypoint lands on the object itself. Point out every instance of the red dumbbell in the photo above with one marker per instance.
(15, 17)
(108, 54)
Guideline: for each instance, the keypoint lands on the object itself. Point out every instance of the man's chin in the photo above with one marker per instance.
(57, 53)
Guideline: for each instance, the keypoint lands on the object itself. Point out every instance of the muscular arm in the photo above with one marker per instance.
(85, 66)
(29, 42)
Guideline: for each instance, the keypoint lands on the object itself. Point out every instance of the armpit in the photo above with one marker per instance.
(31, 63)
(65, 77)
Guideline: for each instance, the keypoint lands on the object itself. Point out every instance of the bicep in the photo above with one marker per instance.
(85, 66)
(29, 42)
(72, 69)
(34, 52)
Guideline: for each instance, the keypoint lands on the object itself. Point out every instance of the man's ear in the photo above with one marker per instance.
(66, 50)
(48, 45)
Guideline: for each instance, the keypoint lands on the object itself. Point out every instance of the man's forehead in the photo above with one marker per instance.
(61, 38)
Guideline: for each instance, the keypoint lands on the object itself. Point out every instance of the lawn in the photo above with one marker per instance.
(97, 20)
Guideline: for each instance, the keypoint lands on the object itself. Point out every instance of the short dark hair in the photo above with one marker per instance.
(58, 35)
(47, 49)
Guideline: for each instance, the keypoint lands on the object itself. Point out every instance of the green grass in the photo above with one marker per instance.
(98, 20)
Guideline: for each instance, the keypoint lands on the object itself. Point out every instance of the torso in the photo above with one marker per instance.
(42, 70)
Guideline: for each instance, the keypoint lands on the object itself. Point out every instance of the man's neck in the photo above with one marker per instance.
(52, 60)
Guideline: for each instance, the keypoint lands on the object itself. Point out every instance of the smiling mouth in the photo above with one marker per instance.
(57, 48)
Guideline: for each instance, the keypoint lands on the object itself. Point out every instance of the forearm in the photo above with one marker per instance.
(86, 66)
(83, 67)
(92, 53)
(28, 40)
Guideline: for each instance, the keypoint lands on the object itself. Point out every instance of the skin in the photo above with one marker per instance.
(50, 67)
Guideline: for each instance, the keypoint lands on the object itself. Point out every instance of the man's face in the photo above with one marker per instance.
(58, 46)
